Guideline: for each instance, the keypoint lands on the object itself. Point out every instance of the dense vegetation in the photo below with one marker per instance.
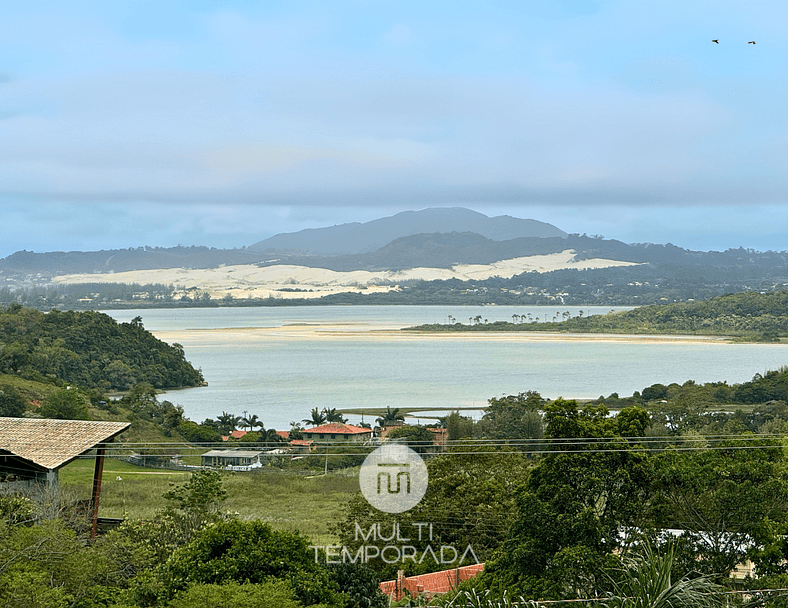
(759, 316)
(89, 349)
(561, 501)
(190, 554)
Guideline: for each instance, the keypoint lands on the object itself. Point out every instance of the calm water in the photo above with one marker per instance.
(279, 363)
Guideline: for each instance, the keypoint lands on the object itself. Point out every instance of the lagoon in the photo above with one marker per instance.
(280, 362)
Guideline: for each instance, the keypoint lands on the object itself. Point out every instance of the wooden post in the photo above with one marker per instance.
(97, 471)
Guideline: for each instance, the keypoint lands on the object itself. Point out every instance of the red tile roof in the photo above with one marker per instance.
(336, 428)
(301, 442)
(53, 443)
(283, 434)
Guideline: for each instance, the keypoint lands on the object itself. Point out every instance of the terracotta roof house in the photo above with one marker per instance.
(235, 435)
(335, 431)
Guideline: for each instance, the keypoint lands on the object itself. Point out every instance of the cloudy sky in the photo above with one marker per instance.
(222, 123)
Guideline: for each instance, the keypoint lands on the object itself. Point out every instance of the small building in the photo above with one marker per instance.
(301, 446)
(336, 431)
(33, 450)
(440, 437)
(231, 458)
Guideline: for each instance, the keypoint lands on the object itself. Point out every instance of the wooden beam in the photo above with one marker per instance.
(97, 471)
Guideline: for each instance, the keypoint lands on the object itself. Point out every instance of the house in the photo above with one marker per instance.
(234, 435)
(231, 458)
(336, 431)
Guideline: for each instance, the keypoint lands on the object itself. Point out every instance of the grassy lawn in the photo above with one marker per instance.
(287, 501)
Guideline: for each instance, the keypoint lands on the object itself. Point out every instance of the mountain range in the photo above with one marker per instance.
(431, 238)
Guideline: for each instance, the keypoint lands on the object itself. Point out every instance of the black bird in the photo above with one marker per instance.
(717, 41)
(751, 42)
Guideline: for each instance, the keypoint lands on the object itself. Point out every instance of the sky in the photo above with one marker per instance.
(125, 124)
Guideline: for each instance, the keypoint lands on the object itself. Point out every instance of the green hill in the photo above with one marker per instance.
(89, 349)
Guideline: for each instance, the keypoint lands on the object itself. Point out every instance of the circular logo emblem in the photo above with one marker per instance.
(393, 478)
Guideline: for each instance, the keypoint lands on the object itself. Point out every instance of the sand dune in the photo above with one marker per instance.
(250, 281)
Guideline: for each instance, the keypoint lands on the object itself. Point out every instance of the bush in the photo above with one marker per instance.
(271, 594)
(248, 552)
(11, 402)
(65, 404)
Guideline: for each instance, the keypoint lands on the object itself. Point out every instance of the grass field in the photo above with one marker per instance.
(287, 501)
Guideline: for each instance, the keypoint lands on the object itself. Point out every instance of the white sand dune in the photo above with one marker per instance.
(250, 281)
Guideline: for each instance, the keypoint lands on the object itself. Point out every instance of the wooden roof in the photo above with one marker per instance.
(52, 443)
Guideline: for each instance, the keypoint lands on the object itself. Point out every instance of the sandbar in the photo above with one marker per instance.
(362, 331)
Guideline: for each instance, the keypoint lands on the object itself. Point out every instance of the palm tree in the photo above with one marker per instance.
(269, 436)
(646, 582)
(317, 418)
(332, 415)
(250, 422)
(228, 422)
(390, 417)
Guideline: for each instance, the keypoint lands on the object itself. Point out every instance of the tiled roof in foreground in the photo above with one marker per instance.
(52, 443)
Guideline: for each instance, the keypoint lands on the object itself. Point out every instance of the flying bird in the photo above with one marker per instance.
(717, 41)
(751, 42)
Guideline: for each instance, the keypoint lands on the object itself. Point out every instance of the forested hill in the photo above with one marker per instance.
(757, 316)
(446, 250)
(89, 349)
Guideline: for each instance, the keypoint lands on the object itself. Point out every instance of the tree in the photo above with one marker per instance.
(573, 506)
(203, 493)
(458, 426)
(248, 552)
(65, 404)
(228, 423)
(726, 501)
(296, 430)
(391, 417)
(12, 403)
(251, 422)
(317, 418)
(198, 433)
(418, 438)
(514, 416)
(332, 415)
